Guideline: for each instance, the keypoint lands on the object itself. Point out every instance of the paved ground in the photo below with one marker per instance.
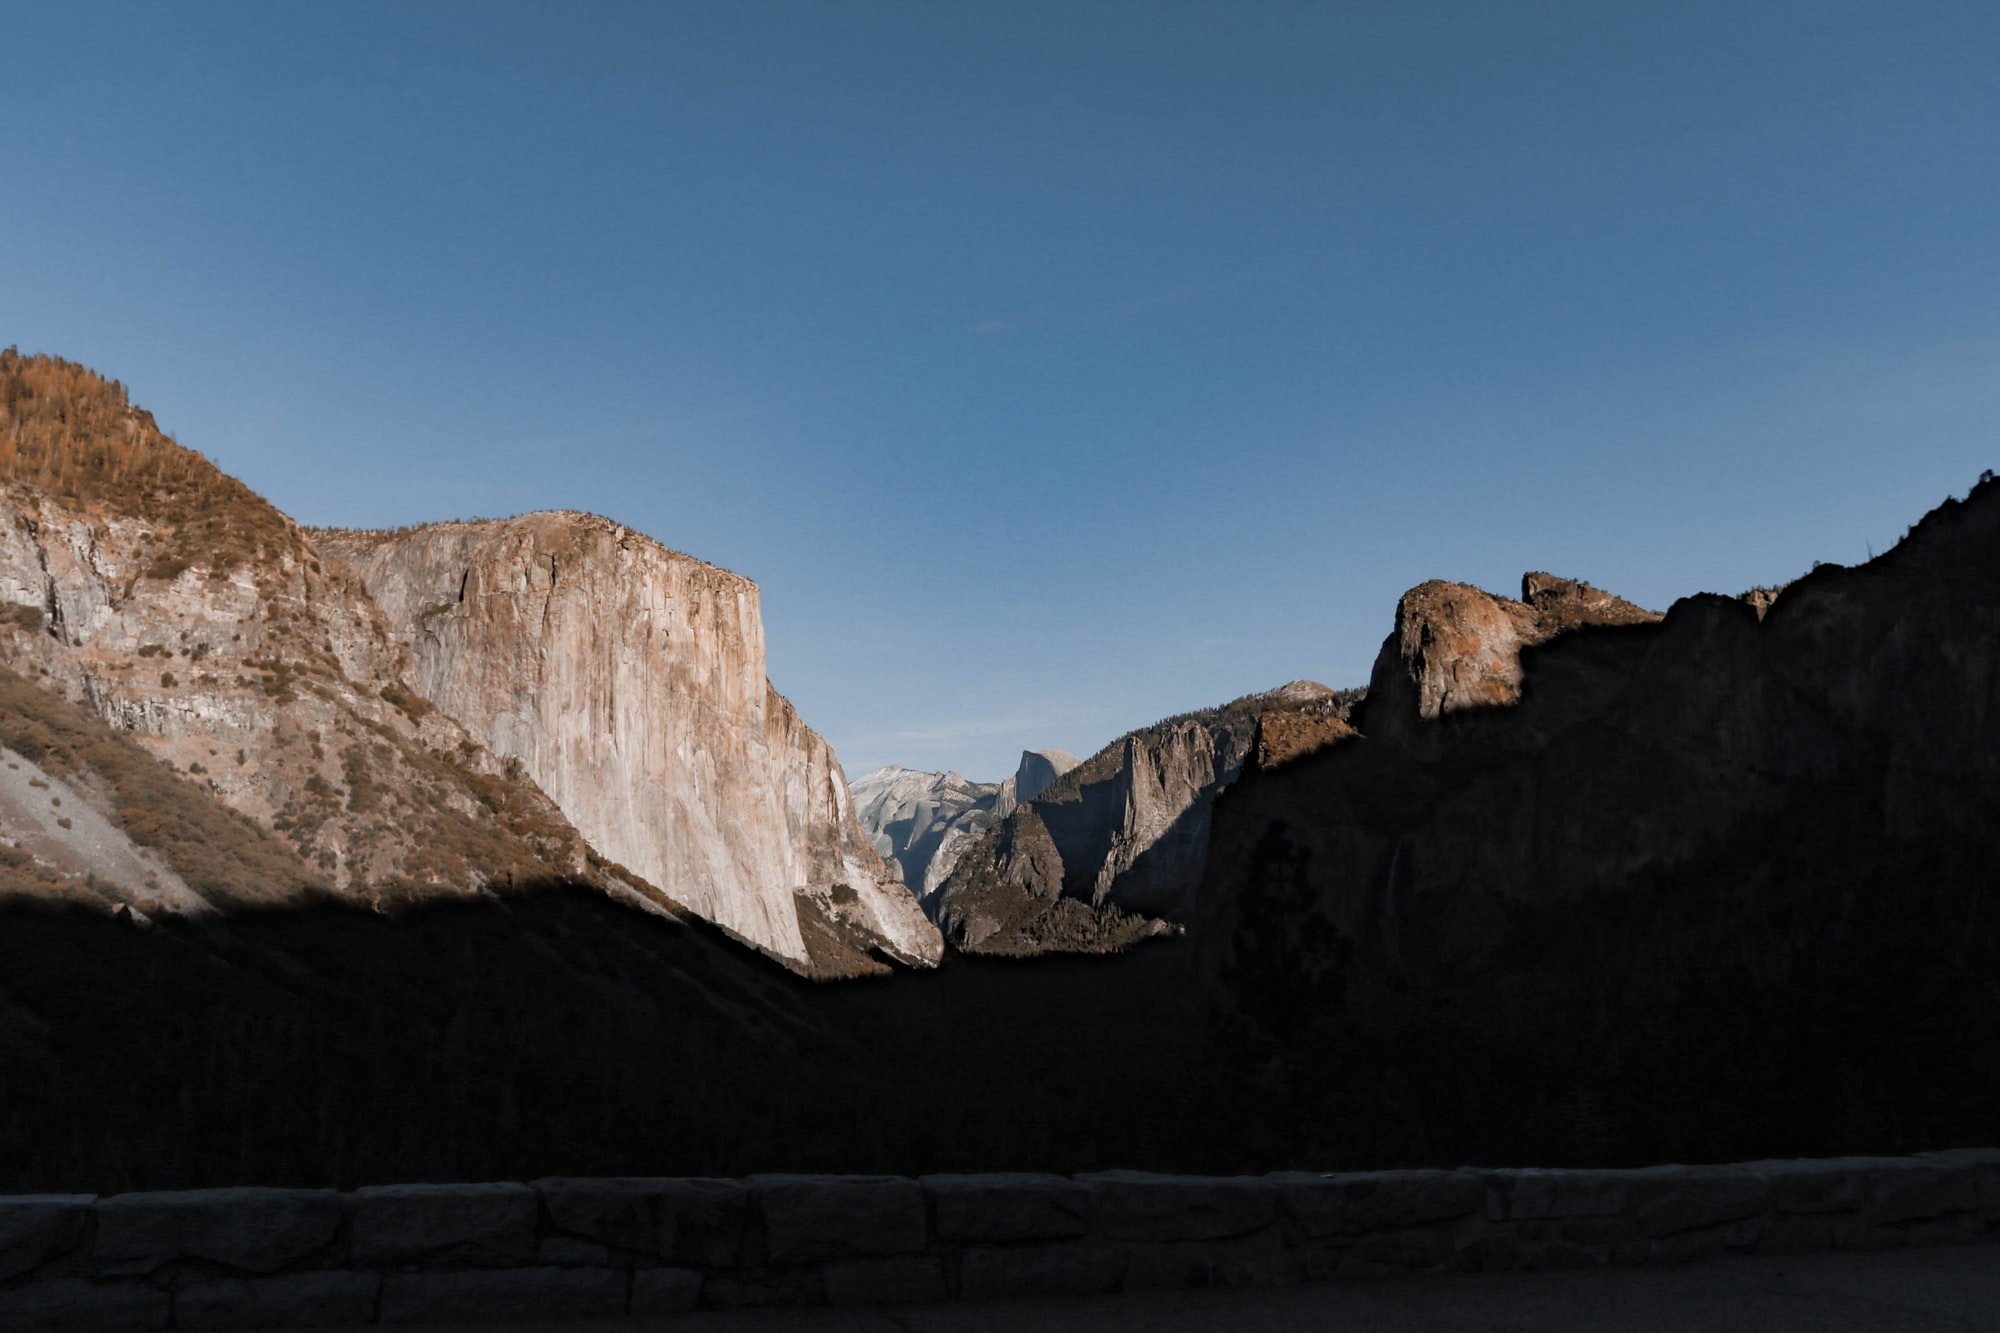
(1904, 1291)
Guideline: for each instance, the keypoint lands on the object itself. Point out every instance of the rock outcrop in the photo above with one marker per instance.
(174, 604)
(628, 681)
(1456, 647)
(923, 822)
(1111, 851)
(1612, 878)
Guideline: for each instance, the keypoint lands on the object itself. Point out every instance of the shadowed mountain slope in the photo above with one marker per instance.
(1110, 852)
(1717, 884)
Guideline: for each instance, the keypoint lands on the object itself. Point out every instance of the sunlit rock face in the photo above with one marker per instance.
(179, 607)
(925, 821)
(1456, 647)
(1110, 851)
(628, 681)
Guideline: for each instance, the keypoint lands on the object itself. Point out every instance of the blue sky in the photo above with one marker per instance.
(1057, 367)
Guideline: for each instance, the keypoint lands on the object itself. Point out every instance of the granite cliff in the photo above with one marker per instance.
(189, 617)
(1456, 647)
(152, 606)
(627, 681)
(1110, 852)
(924, 822)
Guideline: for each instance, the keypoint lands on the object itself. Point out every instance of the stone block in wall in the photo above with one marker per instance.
(760, 1288)
(502, 1294)
(1413, 1249)
(569, 1252)
(810, 1218)
(1261, 1259)
(658, 1291)
(35, 1228)
(915, 1279)
(1544, 1255)
(1857, 1233)
(1983, 1165)
(1600, 1231)
(1347, 1203)
(1807, 1234)
(1535, 1193)
(1139, 1205)
(1670, 1199)
(257, 1230)
(1742, 1236)
(1951, 1229)
(70, 1304)
(1075, 1268)
(1486, 1252)
(294, 1300)
(1007, 1207)
(1916, 1190)
(473, 1225)
(1819, 1185)
(680, 1220)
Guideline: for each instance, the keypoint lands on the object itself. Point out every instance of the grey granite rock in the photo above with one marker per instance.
(906, 1280)
(1078, 1268)
(467, 1224)
(1336, 1203)
(36, 1227)
(294, 1300)
(502, 1294)
(1007, 1207)
(687, 1220)
(1139, 1205)
(254, 1229)
(839, 1217)
(657, 1291)
(75, 1304)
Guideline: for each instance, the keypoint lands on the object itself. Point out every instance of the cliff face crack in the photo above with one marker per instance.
(51, 604)
(549, 602)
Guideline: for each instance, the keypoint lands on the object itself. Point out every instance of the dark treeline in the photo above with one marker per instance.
(562, 1034)
(557, 1033)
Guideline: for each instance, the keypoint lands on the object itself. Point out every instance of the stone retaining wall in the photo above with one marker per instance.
(277, 1258)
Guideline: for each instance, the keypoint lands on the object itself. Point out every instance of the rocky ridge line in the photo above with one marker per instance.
(923, 822)
(1111, 852)
(170, 601)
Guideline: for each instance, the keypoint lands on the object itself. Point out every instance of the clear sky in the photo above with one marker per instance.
(1053, 367)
